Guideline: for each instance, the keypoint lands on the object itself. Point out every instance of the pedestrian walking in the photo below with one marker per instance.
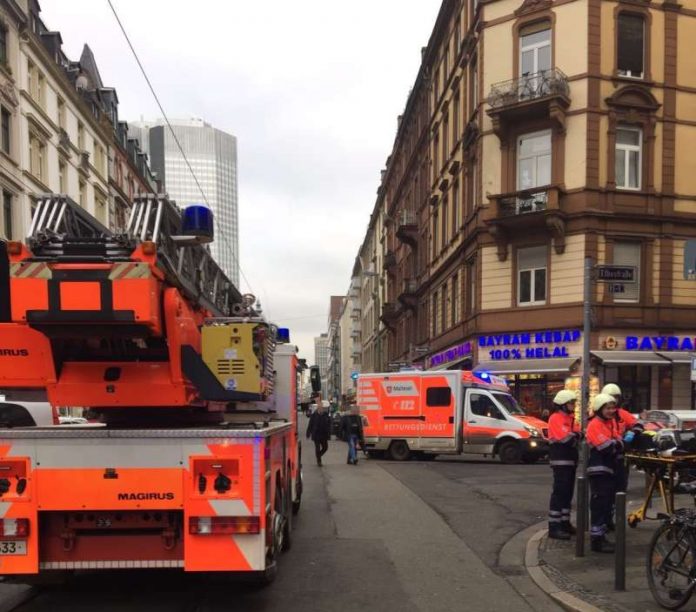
(564, 435)
(319, 429)
(606, 447)
(352, 433)
(628, 427)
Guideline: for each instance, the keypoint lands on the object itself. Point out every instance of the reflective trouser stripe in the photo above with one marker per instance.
(562, 462)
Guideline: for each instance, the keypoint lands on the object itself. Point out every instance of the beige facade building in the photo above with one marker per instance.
(537, 133)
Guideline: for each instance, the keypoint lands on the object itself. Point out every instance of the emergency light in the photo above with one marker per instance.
(197, 220)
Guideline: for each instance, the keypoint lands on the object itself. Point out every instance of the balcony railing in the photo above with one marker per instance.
(529, 87)
(524, 202)
(407, 227)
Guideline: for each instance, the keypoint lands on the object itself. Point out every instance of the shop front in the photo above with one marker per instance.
(456, 357)
(653, 370)
(536, 364)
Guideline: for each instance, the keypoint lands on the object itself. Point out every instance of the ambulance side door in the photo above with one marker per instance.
(483, 420)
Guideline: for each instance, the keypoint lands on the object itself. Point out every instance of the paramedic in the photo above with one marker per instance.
(564, 435)
(605, 445)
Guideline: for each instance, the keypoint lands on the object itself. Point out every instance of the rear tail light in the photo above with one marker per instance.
(220, 525)
(14, 527)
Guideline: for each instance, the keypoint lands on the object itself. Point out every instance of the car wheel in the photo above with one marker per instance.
(510, 452)
(399, 450)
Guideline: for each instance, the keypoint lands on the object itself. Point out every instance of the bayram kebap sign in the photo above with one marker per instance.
(529, 345)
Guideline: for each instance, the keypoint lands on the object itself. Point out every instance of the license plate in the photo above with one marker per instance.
(13, 547)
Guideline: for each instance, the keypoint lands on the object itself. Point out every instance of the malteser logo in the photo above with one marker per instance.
(145, 496)
(399, 388)
(7, 352)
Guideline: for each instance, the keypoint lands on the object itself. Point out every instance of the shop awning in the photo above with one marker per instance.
(527, 366)
(630, 358)
(677, 356)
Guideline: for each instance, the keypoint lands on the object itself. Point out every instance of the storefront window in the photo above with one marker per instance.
(635, 386)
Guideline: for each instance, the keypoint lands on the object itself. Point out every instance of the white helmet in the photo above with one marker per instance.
(602, 400)
(563, 397)
(611, 389)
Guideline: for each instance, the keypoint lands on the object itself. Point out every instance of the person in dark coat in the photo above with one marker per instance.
(319, 429)
(352, 432)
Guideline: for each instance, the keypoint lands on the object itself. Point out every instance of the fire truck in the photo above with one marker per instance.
(195, 462)
(445, 413)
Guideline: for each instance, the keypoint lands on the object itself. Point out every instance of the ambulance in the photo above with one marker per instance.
(447, 413)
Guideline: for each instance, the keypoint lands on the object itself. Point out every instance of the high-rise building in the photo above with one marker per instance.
(321, 356)
(212, 155)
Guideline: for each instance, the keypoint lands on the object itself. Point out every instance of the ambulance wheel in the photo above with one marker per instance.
(399, 450)
(510, 452)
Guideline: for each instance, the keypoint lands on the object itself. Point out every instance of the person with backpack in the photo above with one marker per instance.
(352, 433)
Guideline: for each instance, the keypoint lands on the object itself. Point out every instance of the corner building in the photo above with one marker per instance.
(540, 132)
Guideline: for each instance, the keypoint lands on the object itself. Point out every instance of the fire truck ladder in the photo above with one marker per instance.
(62, 231)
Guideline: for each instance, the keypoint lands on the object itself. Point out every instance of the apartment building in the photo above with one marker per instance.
(537, 133)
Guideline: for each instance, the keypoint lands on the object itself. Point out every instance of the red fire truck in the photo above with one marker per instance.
(196, 463)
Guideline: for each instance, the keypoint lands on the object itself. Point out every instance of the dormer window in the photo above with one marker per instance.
(630, 45)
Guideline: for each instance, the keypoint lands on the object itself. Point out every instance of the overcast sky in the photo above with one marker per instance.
(310, 88)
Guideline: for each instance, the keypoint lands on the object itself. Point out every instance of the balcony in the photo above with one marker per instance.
(389, 262)
(542, 95)
(355, 334)
(409, 293)
(390, 312)
(523, 211)
(407, 227)
(355, 314)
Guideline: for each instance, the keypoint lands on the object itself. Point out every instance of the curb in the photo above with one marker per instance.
(537, 574)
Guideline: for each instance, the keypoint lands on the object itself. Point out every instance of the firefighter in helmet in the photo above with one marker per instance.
(564, 435)
(606, 451)
(629, 426)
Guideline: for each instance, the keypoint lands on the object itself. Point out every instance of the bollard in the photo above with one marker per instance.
(581, 519)
(620, 554)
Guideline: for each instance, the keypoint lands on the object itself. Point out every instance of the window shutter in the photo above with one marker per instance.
(534, 257)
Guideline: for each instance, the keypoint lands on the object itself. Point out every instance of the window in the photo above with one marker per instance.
(445, 137)
(80, 136)
(484, 406)
(3, 45)
(31, 78)
(628, 254)
(455, 118)
(61, 114)
(5, 129)
(37, 156)
(533, 160)
(630, 45)
(455, 299)
(531, 276)
(471, 284)
(100, 211)
(456, 206)
(535, 49)
(436, 146)
(445, 302)
(445, 221)
(7, 214)
(433, 315)
(473, 85)
(83, 194)
(628, 157)
(41, 90)
(445, 65)
(62, 184)
(438, 397)
(436, 222)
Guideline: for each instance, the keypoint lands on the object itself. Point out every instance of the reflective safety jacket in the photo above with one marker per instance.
(606, 446)
(626, 421)
(563, 439)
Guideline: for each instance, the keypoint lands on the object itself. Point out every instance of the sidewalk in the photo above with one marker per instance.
(589, 581)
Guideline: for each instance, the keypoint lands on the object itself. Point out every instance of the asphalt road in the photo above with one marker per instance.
(415, 536)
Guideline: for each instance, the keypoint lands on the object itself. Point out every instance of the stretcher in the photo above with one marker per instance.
(660, 474)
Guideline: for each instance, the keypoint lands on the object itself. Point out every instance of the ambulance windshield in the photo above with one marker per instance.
(509, 402)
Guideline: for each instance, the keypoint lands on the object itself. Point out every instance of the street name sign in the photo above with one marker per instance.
(616, 274)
